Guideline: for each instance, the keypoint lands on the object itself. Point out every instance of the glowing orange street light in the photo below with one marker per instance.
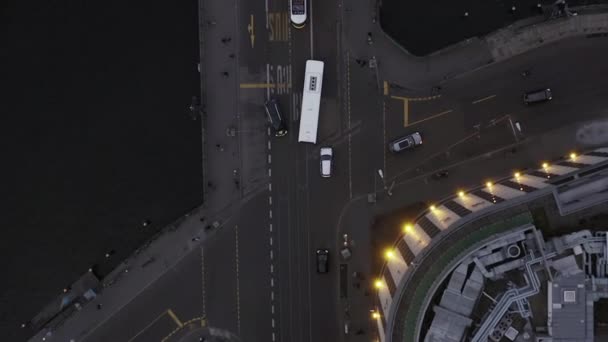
(389, 254)
(408, 228)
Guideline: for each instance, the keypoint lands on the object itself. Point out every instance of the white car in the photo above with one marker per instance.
(326, 156)
(406, 142)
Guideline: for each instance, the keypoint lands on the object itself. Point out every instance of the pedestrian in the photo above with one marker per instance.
(99, 306)
(225, 73)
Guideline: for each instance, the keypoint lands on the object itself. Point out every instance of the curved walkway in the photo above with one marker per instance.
(442, 220)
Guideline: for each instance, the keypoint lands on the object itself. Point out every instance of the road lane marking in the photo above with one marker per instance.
(266, 8)
(268, 81)
(262, 85)
(424, 98)
(269, 186)
(269, 146)
(430, 117)
(271, 268)
(311, 30)
(147, 326)
(269, 159)
(272, 309)
(270, 214)
(385, 88)
(271, 255)
(202, 320)
(270, 200)
(251, 30)
(383, 135)
(271, 240)
(483, 99)
(273, 323)
(278, 28)
(350, 172)
(238, 293)
(406, 109)
(203, 281)
(174, 318)
(269, 172)
(270, 226)
(271, 282)
(272, 295)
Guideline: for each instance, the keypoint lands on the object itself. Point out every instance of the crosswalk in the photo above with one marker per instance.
(445, 214)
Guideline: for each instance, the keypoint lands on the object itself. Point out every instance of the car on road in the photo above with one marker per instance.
(540, 95)
(322, 260)
(276, 119)
(405, 142)
(326, 158)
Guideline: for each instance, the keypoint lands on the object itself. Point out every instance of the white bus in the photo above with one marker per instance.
(311, 100)
(297, 13)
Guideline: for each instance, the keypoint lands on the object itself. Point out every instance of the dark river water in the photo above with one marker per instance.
(96, 138)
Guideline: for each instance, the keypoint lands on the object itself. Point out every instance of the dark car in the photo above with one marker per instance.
(405, 142)
(536, 96)
(322, 260)
(276, 119)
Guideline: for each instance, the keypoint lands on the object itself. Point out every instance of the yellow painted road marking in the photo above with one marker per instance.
(251, 30)
(406, 112)
(385, 88)
(426, 98)
(174, 318)
(406, 109)
(262, 85)
(147, 326)
(484, 99)
(431, 117)
(186, 324)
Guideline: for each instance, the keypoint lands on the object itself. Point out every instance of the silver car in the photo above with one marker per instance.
(405, 142)
(326, 157)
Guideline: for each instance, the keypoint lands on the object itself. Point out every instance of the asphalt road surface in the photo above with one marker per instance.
(471, 117)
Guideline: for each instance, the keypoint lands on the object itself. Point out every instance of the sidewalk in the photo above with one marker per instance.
(220, 158)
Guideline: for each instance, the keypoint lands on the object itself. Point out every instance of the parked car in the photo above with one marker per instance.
(326, 159)
(322, 260)
(405, 142)
(275, 118)
(536, 96)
